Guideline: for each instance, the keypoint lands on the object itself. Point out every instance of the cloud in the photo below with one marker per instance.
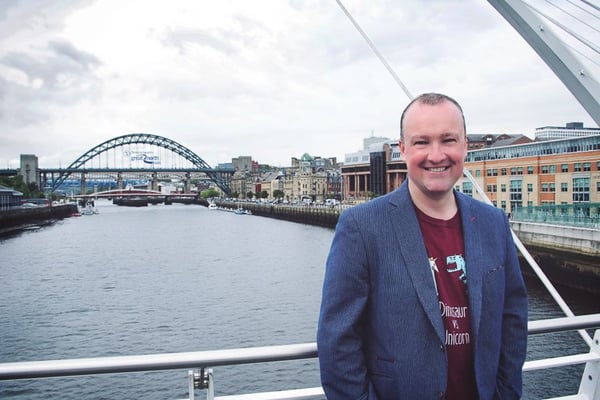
(271, 79)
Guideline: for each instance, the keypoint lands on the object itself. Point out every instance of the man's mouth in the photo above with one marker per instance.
(437, 169)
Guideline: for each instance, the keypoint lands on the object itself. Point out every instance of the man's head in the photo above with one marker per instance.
(431, 99)
(434, 144)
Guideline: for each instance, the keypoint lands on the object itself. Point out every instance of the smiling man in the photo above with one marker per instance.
(423, 296)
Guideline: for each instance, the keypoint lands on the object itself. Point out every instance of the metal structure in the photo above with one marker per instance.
(553, 52)
(204, 361)
(219, 177)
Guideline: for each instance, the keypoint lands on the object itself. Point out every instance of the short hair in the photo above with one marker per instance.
(431, 99)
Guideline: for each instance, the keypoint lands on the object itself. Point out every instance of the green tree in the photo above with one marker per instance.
(264, 194)
(16, 182)
(208, 193)
(249, 195)
(278, 194)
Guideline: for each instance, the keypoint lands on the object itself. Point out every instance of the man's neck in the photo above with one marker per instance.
(443, 207)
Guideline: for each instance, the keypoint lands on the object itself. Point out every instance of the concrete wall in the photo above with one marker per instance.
(583, 241)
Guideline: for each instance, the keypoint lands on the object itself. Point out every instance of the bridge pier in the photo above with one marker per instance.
(154, 182)
(82, 187)
(187, 186)
(119, 181)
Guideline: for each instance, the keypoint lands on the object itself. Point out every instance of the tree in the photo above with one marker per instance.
(208, 193)
(278, 194)
(249, 195)
(264, 194)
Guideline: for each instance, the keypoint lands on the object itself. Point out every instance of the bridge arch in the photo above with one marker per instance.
(146, 139)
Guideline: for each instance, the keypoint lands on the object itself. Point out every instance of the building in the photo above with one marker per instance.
(551, 172)
(29, 169)
(9, 198)
(572, 129)
(373, 171)
(242, 163)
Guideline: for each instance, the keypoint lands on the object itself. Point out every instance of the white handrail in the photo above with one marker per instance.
(212, 358)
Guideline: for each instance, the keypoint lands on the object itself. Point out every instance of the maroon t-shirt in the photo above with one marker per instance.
(445, 248)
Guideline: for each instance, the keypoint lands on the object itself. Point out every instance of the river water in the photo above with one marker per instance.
(163, 279)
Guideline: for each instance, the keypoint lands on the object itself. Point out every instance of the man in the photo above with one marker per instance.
(423, 296)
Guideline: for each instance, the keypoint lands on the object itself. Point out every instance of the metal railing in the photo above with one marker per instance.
(206, 360)
(583, 215)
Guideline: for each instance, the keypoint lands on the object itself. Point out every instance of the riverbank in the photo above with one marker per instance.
(20, 218)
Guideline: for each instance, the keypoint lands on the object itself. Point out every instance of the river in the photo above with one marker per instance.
(179, 278)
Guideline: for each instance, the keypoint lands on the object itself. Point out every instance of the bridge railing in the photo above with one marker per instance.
(206, 360)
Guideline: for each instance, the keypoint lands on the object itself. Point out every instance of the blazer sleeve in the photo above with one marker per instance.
(340, 334)
(514, 326)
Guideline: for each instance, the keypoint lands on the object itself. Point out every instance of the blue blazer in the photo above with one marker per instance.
(380, 333)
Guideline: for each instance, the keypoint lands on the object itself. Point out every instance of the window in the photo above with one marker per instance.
(587, 166)
(564, 187)
(553, 187)
(503, 171)
(468, 188)
(513, 171)
(477, 172)
(530, 170)
(577, 167)
(553, 169)
(503, 188)
(492, 188)
(564, 168)
(544, 187)
(516, 194)
(519, 170)
(503, 205)
(581, 190)
(529, 187)
(544, 169)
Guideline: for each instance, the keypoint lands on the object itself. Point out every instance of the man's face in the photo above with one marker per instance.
(434, 148)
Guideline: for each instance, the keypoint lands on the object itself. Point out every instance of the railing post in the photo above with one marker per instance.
(210, 390)
(590, 381)
(191, 382)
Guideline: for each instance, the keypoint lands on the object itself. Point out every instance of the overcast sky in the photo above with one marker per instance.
(272, 79)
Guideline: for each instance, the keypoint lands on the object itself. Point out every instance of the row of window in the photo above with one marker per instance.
(581, 190)
(545, 169)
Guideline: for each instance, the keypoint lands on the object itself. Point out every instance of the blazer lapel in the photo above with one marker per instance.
(416, 261)
(474, 256)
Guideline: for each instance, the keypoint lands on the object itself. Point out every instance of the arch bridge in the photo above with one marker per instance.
(139, 154)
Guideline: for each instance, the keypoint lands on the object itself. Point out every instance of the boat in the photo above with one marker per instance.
(213, 206)
(133, 201)
(239, 211)
(88, 209)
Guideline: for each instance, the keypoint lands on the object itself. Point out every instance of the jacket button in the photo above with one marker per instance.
(441, 347)
(441, 395)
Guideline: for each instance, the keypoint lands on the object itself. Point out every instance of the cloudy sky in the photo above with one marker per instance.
(272, 79)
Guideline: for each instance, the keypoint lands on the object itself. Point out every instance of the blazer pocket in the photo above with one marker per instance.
(382, 367)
